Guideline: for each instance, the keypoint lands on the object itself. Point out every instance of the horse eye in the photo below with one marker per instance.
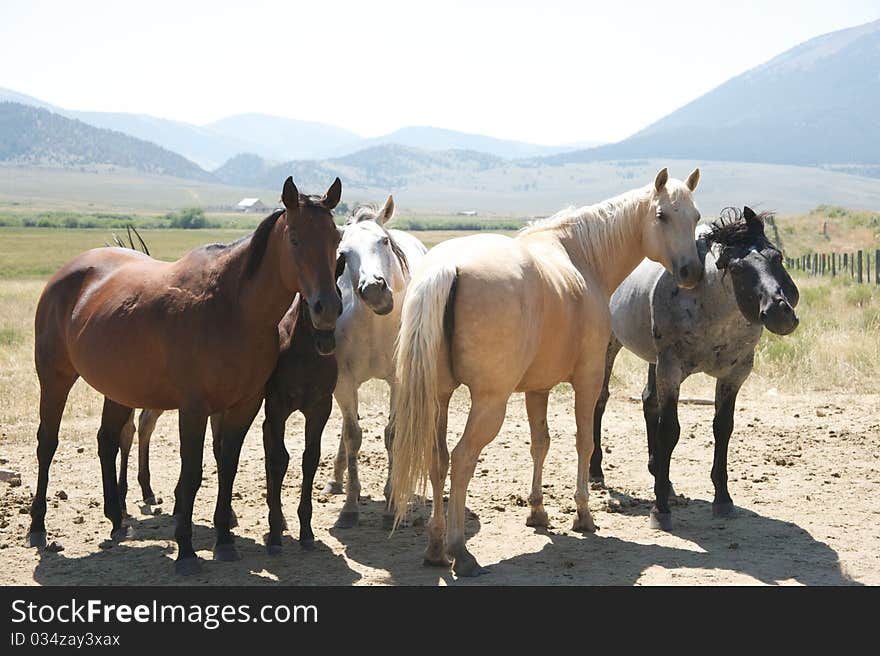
(386, 241)
(661, 216)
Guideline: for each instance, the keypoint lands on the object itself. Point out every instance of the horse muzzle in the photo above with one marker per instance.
(377, 295)
(779, 317)
(688, 275)
(325, 310)
(325, 342)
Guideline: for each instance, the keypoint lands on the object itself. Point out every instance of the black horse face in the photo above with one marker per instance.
(765, 293)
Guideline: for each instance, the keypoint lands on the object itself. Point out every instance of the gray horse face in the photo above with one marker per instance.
(370, 264)
(765, 293)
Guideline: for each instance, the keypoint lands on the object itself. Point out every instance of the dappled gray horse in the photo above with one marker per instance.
(712, 328)
(377, 272)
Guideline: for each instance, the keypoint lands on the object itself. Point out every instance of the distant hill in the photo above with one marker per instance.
(279, 139)
(386, 166)
(430, 138)
(284, 138)
(33, 136)
(814, 105)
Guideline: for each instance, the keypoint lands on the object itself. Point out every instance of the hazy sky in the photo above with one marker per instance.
(546, 71)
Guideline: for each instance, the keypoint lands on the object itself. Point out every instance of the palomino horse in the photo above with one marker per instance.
(712, 328)
(502, 315)
(377, 271)
(204, 330)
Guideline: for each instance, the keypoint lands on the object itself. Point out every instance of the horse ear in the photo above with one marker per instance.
(340, 265)
(693, 179)
(660, 180)
(387, 210)
(333, 196)
(290, 194)
(723, 259)
(748, 213)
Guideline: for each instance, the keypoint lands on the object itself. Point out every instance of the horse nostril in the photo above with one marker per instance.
(684, 273)
(319, 308)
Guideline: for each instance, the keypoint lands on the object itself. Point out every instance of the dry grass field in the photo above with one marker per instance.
(804, 470)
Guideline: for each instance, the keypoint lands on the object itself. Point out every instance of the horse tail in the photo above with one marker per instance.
(422, 348)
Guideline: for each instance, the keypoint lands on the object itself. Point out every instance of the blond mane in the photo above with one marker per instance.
(596, 231)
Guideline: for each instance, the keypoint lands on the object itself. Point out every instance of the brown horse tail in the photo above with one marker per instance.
(421, 349)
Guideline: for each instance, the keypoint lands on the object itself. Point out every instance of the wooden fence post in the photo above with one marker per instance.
(833, 265)
(860, 267)
(877, 267)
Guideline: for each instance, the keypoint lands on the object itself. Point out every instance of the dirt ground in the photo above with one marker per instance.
(804, 472)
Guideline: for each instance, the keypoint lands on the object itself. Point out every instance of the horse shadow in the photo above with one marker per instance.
(128, 563)
(757, 547)
(399, 552)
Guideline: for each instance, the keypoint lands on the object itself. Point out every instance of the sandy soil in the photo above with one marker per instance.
(805, 473)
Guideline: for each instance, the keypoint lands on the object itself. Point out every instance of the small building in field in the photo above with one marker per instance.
(251, 205)
(467, 213)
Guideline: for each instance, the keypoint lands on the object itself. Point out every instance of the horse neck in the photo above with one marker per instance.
(263, 296)
(613, 245)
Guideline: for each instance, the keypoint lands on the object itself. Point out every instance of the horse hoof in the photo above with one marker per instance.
(307, 545)
(468, 568)
(724, 510)
(388, 521)
(584, 524)
(538, 519)
(333, 488)
(226, 553)
(153, 500)
(121, 534)
(36, 539)
(187, 566)
(347, 519)
(442, 561)
(274, 549)
(660, 520)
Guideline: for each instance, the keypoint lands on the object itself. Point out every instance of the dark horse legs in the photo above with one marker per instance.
(53, 396)
(233, 426)
(316, 419)
(668, 381)
(278, 409)
(596, 473)
(726, 390)
(113, 420)
(192, 442)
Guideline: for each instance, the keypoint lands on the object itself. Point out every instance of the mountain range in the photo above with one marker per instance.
(815, 105)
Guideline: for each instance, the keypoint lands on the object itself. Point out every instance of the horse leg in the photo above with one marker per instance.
(233, 427)
(113, 420)
(587, 387)
(536, 408)
(668, 381)
(484, 422)
(596, 474)
(126, 437)
(347, 397)
(217, 443)
(435, 554)
(146, 426)
(53, 397)
(335, 486)
(316, 419)
(726, 390)
(278, 409)
(388, 515)
(192, 425)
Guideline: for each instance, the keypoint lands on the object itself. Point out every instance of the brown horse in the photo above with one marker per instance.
(204, 331)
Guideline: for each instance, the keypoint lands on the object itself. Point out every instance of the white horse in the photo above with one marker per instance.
(378, 262)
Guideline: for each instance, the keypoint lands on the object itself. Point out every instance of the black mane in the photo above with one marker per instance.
(259, 241)
(732, 229)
